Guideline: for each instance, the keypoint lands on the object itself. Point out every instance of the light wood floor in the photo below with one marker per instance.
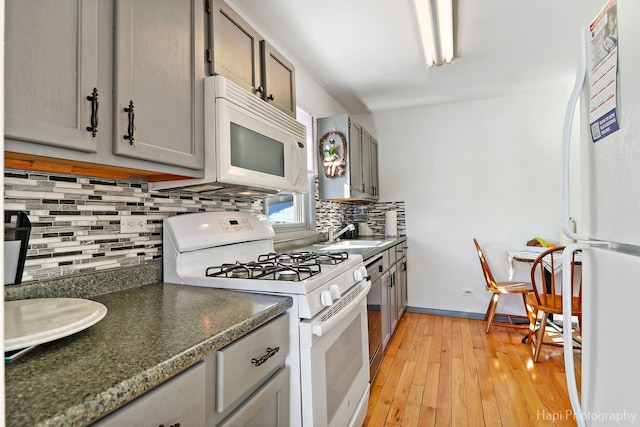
(445, 371)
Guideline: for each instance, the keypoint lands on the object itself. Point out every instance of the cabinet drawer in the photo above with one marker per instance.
(268, 407)
(390, 255)
(247, 362)
(179, 400)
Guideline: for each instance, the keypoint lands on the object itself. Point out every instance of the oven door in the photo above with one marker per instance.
(334, 354)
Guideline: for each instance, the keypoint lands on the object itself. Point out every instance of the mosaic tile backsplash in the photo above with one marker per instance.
(76, 220)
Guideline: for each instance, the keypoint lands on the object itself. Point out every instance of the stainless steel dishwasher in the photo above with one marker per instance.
(375, 268)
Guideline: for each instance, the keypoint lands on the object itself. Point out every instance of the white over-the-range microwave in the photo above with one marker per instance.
(249, 145)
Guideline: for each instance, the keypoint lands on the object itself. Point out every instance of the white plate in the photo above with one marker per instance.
(537, 249)
(29, 322)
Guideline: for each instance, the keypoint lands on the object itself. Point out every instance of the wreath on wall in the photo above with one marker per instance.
(333, 152)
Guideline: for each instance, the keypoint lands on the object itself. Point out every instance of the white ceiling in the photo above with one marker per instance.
(366, 53)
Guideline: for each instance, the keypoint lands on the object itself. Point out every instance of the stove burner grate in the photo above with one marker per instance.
(332, 258)
(266, 270)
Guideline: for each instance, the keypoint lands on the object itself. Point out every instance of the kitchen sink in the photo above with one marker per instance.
(349, 244)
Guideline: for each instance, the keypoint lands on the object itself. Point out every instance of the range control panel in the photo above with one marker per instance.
(234, 225)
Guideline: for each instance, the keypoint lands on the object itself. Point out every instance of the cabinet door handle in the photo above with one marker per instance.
(94, 112)
(270, 97)
(259, 89)
(265, 357)
(131, 129)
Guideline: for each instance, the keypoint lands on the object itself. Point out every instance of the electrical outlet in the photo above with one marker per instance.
(467, 291)
(133, 224)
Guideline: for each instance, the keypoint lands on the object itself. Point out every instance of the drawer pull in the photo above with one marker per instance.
(261, 360)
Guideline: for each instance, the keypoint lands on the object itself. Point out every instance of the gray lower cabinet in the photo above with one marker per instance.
(178, 401)
(248, 380)
(402, 284)
(145, 60)
(394, 301)
(393, 298)
(245, 383)
(268, 407)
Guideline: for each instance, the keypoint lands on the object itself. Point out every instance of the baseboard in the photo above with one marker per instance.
(448, 313)
(461, 314)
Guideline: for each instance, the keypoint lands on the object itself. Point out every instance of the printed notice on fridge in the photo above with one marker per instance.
(603, 110)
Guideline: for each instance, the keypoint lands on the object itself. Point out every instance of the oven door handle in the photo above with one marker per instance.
(323, 327)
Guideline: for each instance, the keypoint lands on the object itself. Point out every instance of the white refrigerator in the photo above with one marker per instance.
(607, 90)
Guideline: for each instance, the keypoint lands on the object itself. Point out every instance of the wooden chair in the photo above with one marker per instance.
(547, 296)
(499, 288)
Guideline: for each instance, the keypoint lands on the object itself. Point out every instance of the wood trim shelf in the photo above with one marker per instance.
(32, 162)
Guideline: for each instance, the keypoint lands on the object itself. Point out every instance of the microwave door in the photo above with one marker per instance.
(255, 151)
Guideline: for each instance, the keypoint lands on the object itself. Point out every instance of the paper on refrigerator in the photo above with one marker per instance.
(603, 114)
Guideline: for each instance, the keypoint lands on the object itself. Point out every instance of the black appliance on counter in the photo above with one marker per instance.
(17, 229)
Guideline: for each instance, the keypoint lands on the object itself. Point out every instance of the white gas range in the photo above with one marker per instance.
(328, 319)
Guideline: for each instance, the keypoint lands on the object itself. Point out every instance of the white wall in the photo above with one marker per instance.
(312, 98)
(488, 169)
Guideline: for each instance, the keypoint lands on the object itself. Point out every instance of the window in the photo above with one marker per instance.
(295, 212)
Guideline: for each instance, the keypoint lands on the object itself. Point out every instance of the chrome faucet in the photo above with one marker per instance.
(332, 237)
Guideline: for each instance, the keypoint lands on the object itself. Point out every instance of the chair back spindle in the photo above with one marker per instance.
(546, 299)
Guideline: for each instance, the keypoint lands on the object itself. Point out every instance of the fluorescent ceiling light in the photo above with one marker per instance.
(435, 20)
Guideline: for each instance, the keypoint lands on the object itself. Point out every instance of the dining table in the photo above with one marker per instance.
(528, 255)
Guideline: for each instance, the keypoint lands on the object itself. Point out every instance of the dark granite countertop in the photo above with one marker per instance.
(149, 334)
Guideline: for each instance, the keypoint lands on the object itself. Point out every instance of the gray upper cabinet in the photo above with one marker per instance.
(49, 78)
(158, 81)
(238, 52)
(365, 164)
(148, 52)
(372, 174)
(351, 173)
(355, 158)
(235, 48)
(278, 79)
(368, 166)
